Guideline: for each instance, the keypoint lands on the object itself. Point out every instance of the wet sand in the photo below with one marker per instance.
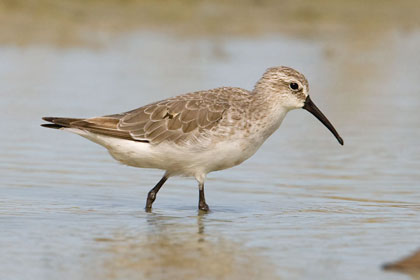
(94, 23)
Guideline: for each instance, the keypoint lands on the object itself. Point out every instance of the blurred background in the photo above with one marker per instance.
(303, 207)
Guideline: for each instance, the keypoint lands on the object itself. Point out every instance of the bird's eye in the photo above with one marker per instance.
(294, 86)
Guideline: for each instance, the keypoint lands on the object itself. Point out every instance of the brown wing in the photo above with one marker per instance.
(102, 125)
(178, 119)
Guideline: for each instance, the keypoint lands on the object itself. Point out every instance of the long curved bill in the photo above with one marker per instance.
(310, 107)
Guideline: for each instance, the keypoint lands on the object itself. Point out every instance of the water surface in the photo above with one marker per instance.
(303, 207)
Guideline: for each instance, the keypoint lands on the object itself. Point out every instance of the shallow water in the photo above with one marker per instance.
(303, 207)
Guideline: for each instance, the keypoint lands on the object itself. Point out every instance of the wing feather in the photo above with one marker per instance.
(107, 125)
(178, 119)
(182, 119)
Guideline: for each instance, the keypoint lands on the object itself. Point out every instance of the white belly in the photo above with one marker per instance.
(176, 160)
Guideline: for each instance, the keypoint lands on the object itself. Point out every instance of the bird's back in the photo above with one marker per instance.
(182, 120)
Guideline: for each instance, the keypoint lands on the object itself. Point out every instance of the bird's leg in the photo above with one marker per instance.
(151, 196)
(202, 205)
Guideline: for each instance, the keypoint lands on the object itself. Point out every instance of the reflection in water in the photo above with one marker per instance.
(171, 249)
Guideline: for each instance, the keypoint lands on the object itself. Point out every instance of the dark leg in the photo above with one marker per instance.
(202, 205)
(153, 192)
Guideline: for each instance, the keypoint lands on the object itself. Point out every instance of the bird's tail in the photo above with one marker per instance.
(58, 123)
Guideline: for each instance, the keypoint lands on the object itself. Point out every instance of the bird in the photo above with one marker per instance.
(196, 133)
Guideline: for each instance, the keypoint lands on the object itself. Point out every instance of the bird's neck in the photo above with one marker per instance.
(267, 113)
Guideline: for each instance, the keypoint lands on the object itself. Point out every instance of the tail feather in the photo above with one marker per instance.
(63, 122)
(103, 125)
(52, 125)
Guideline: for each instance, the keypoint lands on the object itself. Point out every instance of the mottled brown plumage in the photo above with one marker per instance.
(176, 119)
(179, 119)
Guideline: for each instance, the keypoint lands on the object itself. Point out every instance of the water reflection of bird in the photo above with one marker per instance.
(176, 247)
(160, 223)
(200, 132)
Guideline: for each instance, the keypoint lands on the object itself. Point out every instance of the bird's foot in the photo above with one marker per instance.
(202, 206)
(151, 196)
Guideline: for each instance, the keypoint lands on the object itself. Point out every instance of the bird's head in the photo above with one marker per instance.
(290, 89)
